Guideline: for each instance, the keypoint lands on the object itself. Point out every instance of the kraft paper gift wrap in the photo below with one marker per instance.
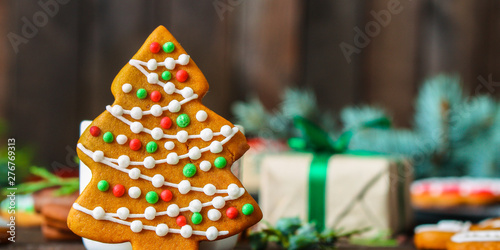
(360, 191)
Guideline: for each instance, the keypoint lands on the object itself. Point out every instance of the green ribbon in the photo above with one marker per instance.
(318, 142)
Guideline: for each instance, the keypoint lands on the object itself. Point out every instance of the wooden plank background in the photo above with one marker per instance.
(244, 47)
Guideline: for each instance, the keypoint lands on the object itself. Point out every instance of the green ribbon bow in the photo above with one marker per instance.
(317, 141)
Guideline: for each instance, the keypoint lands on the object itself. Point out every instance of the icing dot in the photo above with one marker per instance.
(154, 47)
(123, 161)
(172, 158)
(184, 187)
(123, 213)
(182, 136)
(158, 180)
(218, 202)
(152, 65)
(150, 213)
(103, 185)
(169, 145)
(195, 206)
(194, 153)
(134, 192)
(212, 233)
(136, 113)
(135, 144)
(136, 226)
(152, 197)
(136, 127)
(181, 75)
(98, 156)
(233, 191)
(117, 110)
(247, 209)
(187, 92)
(95, 131)
(155, 96)
(98, 213)
(169, 88)
(151, 147)
(168, 47)
(183, 59)
(216, 147)
(189, 170)
(220, 162)
(108, 137)
(166, 122)
(121, 139)
(166, 195)
(206, 134)
(214, 214)
(127, 87)
(141, 93)
(201, 116)
(118, 190)
(226, 130)
(161, 229)
(205, 165)
(149, 162)
(183, 120)
(134, 173)
(157, 133)
(181, 220)
(174, 106)
(186, 231)
(196, 218)
(173, 210)
(166, 75)
(156, 110)
(209, 189)
(169, 63)
(232, 213)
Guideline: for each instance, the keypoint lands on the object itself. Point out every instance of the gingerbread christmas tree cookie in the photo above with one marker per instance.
(160, 160)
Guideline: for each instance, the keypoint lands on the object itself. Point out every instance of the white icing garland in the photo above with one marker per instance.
(136, 226)
(451, 226)
(477, 236)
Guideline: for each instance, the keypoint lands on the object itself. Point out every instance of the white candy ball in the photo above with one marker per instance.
(98, 213)
(201, 116)
(206, 134)
(195, 206)
(183, 59)
(174, 106)
(172, 158)
(157, 133)
(136, 226)
(186, 231)
(209, 189)
(134, 173)
(205, 165)
(184, 187)
(226, 130)
(161, 229)
(169, 145)
(98, 156)
(169, 88)
(126, 88)
(152, 65)
(212, 233)
(187, 92)
(121, 139)
(216, 147)
(156, 110)
(173, 210)
(134, 192)
(117, 110)
(233, 191)
(136, 127)
(149, 162)
(214, 214)
(182, 136)
(153, 78)
(150, 213)
(218, 202)
(123, 161)
(169, 63)
(123, 213)
(158, 180)
(194, 153)
(136, 113)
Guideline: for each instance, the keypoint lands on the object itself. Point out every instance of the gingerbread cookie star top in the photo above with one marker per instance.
(160, 160)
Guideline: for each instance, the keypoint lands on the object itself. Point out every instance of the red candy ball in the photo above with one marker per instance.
(166, 195)
(166, 122)
(154, 47)
(118, 190)
(181, 220)
(95, 131)
(232, 213)
(155, 96)
(181, 75)
(135, 144)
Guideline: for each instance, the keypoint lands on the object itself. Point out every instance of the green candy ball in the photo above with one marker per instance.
(103, 185)
(220, 162)
(189, 170)
(196, 218)
(247, 209)
(152, 197)
(183, 120)
(108, 137)
(168, 47)
(151, 147)
(166, 75)
(141, 93)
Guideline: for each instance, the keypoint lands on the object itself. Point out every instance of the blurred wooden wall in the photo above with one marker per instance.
(62, 75)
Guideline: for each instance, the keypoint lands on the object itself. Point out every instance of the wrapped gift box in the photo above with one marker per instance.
(360, 191)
